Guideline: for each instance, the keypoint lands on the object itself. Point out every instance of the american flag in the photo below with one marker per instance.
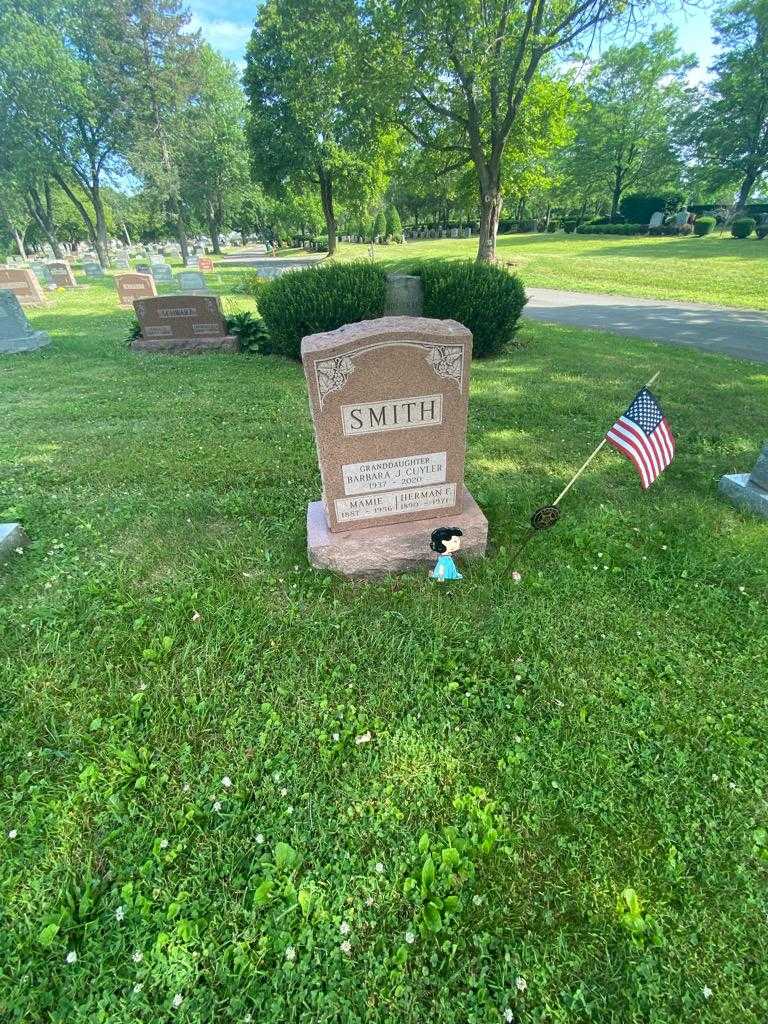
(643, 435)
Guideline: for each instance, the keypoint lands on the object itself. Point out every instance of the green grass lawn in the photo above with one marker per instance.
(720, 270)
(185, 805)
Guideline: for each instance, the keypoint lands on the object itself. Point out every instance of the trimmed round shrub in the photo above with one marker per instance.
(612, 229)
(762, 230)
(742, 227)
(320, 299)
(482, 296)
(704, 226)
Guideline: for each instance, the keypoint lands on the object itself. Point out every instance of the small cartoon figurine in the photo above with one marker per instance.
(445, 540)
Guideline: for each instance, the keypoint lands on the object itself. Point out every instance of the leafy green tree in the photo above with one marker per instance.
(379, 227)
(161, 55)
(393, 223)
(215, 169)
(731, 121)
(625, 133)
(314, 123)
(466, 70)
(62, 81)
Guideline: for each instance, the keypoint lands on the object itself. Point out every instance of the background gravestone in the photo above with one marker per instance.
(182, 324)
(749, 490)
(205, 263)
(134, 286)
(389, 409)
(24, 285)
(43, 275)
(162, 272)
(12, 536)
(93, 269)
(405, 296)
(143, 268)
(122, 263)
(192, 282)
(62, 275)
(16, 335)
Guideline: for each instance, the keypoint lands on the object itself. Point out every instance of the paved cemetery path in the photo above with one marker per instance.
(742, 333)
(255, 256)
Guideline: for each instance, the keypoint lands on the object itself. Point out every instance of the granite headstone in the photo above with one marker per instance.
(62, 275)
(134, 286)
(749, 490)
(182, 324)
(389, 409)
(24, 285)
(16, 335)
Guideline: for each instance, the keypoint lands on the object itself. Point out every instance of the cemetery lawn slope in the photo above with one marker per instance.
(717, 269)
(238, 789)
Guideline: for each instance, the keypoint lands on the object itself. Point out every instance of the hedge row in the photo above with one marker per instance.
(484, 297)
(612, 229)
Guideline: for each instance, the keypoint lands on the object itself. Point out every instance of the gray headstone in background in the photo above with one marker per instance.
(192, 282)
(93, 270)
(122, 263)
(143, 268)
(156, 259)
(162, 272)
(12, 536)
(43, 275)
(15, 333)
(749, 490)
(657, 219)
(405, 296)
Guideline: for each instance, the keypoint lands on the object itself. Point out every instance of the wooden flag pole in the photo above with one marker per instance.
(581, 469)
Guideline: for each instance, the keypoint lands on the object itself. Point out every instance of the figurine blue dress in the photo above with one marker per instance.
(445, 569)
(445, 540)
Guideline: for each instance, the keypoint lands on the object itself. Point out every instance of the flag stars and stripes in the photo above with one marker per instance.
(642, 434)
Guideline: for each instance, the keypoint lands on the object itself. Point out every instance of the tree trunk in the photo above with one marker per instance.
(102, 249)
(618, 188)
(490, 209)
(73, 197)
(746, 187)
(181, 233)
(326, 197)
(124, 226)
(213, 228)
(43, 215)
(18, 239)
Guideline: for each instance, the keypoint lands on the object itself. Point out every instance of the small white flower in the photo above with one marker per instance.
(259, 838)
(217, 806)
(247, 1018)
(715, 778)
(185, 788)
(276, 777)
(290, 953)
(335, 737)
(120, 913)
(599, 554)
(196, 617)
(178, 999)
(731, 785)
(137, 957)
(142, 686)
(516, 576)
(521, 984)
(369, 901)
(19, 551)
(71, 957)
(163, 844)
(742, 590)
(410, 938)
(226, 782)
(707, 992)
(344, 928)
(477, 900)
(518, 679)
(363, 738)
(379, 868)
(138, 987)
(509, 1016)
(12, 834)
(663, 547)
(345, 947)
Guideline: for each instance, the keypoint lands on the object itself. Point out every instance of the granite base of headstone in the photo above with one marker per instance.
(16, 335)
(404, 296)
(182, 325)
(749, 491)
(389, 410)
(12, 537)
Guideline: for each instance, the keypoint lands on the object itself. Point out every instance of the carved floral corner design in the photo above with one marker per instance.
(448, 362)
(332, 375)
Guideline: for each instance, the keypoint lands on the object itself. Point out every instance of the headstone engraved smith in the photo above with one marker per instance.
(182, 324)
(389, 407)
